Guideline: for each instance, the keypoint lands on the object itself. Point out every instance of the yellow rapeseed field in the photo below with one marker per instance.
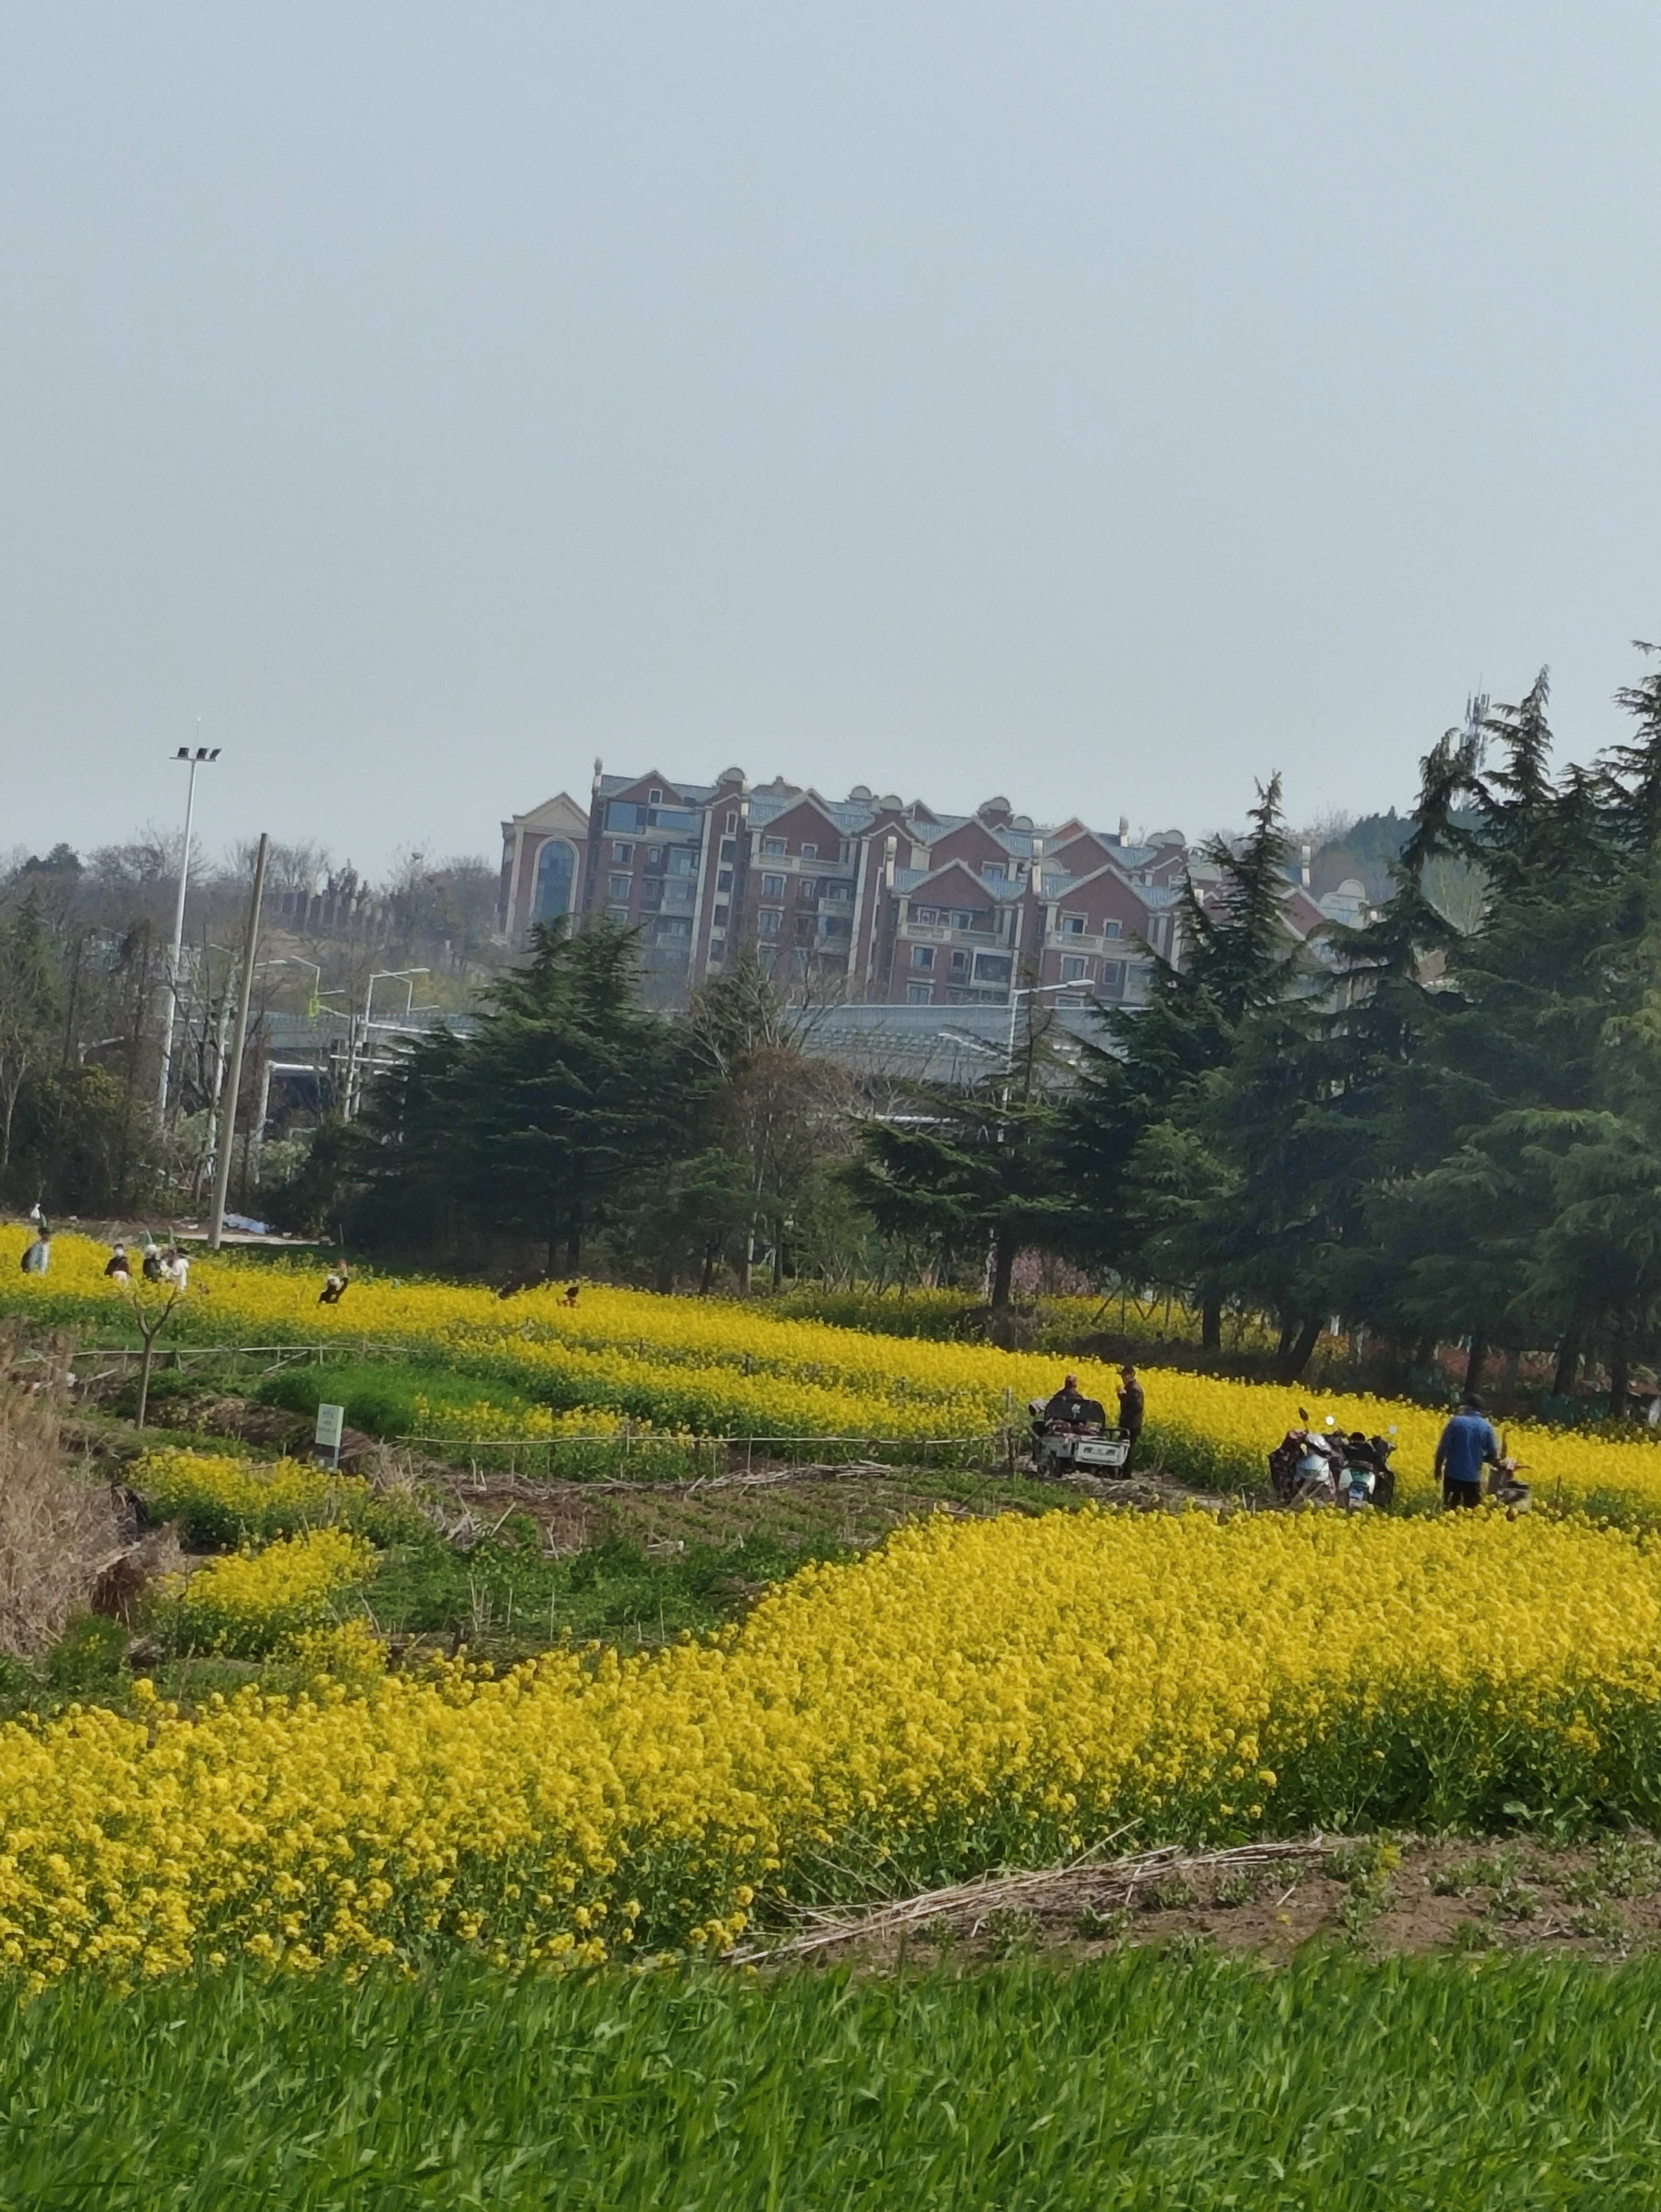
(975, 1693)
(714, 1368)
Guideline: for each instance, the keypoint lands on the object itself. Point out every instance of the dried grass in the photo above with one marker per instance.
(56, 1531)
(1086, 1884)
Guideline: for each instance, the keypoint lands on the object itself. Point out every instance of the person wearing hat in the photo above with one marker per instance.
(1468, 1444)
(117, 1266)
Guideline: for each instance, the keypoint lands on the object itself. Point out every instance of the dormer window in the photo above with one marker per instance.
(810, 852)
(1073, 925)
(654, 798)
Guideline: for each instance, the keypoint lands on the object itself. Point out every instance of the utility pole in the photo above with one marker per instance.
(202, 755)
(222, 1170)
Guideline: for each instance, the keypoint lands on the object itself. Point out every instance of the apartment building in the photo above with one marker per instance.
(865, 899)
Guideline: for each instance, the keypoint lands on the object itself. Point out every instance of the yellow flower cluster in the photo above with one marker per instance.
(976, 1693)
(713, 1368)
(250, 1604)
(222, 1499)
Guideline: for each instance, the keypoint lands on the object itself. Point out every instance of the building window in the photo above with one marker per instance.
(772, 886)
(732, 822)
(992, 967)
(729, 849)
(922, 956)
(621, 815)
(654, 798)
(724, 880)
(810, 852)
(682, 861)
(842, 894)
(845, 851)
(655, 856)
(1112, 983)
(1072, 925)
(927, 915)
(807, 890)
(619, 887)
(1075, 969)
(669, 927)
(556, 867)
(1112, 929)
(623, 856)
(768, 921)
(835, 924)
(919, 994)
(960, 963)
(962, 920)
(719, 919)
(771, 845)
(993, 870)
(617, 914)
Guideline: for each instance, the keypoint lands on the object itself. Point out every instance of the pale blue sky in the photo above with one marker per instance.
(1101, 405)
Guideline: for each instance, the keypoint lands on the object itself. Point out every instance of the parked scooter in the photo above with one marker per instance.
(1325, 1466)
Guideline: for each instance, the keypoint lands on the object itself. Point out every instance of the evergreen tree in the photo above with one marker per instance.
(1133, 1143)
(972, 1174)
(565, 1098)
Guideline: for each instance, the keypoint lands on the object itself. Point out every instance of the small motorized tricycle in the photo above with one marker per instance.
(1084, 1446)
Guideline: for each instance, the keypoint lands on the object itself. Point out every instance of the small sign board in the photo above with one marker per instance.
(331, 1419)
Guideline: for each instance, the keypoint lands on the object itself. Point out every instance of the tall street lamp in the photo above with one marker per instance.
(198, 758)
(360, 1030)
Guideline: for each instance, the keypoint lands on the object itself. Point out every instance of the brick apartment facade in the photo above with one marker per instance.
(864, 898)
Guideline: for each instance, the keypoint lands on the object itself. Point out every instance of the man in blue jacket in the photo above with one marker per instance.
(1468, 1444)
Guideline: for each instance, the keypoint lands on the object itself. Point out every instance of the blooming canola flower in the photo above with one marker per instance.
(974, 1693)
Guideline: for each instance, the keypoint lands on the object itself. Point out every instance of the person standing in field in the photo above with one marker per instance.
(116, 1267)
(1468, 1444)
(1132, 1405)
(38, 1257)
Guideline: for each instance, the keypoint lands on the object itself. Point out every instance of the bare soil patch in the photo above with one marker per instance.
(1377, 1895)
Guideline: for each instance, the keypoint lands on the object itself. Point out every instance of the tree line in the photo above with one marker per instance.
(84, 952)
(1444, 1124)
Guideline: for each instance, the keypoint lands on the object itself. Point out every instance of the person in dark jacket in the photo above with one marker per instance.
(116, 1267)
(1068, 1403)
(1132, 1405)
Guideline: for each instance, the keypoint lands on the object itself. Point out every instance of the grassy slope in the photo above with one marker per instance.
(1144, 2082)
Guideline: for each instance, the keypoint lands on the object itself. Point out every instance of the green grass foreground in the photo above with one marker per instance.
(1141, 2081)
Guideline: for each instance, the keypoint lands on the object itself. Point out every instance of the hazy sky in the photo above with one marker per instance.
(1100, 405)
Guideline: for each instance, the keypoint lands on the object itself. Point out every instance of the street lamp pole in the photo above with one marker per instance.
(1027, 991)
(361, 1030)
(202, 754)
